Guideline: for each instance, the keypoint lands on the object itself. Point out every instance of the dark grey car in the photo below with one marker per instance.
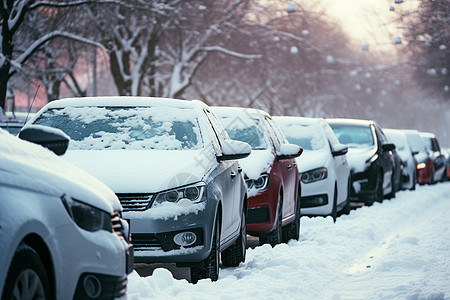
(174, 169)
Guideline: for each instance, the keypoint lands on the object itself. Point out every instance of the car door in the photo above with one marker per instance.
(288, 169)
(386, 159)
(227, 179)
(340, 165)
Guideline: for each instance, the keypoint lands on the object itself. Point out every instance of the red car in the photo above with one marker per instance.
(425, 167)
(270, 172)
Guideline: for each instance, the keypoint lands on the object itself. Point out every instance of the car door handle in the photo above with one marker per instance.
(239, 169)
(233, 174)
(289, 167)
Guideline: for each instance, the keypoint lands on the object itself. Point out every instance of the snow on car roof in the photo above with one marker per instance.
(37, 168)
(298, 120)
(350, 121)
(241, 111)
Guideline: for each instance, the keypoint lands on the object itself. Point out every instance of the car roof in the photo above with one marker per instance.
(427, 134)
(125, 101)
(345, 121)
(240, 111)
(298, 120)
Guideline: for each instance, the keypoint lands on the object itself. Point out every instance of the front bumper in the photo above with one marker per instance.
(317, 198)
(153, 238)
(363, 186)
(262, 210)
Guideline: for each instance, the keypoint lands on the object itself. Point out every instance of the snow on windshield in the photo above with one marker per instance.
(396, 139)
(134, 128)
(416, 142)
(354, 136)
(309, 137)
(245, 130)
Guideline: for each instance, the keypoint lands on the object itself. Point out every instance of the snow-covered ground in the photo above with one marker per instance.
(399, 249)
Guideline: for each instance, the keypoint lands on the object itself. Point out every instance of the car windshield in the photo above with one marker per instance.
(427, 141)
(309, 137)
(354, 136)
(248, 131)
(132, 128)
(396, 139)
(416, 142)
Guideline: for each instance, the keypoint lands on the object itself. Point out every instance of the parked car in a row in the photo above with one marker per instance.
(174, 169)
(374, 175)
(324, 172)
(436, 155)
(61, 232)
(270, 172)
(425, 168)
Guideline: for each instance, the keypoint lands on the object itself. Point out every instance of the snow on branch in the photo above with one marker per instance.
(38, 43)
(231, 53)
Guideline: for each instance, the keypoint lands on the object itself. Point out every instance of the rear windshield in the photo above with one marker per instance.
(134, 128)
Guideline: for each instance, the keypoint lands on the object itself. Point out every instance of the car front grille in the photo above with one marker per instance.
(135, 202)
(145, 242)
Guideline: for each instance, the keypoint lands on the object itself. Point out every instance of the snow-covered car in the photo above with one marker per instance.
(323, 168)
(174, 169)
(61, 233)
(369, 157)
(398, 137)
(271, 174)
(436, 155)
(424, 164)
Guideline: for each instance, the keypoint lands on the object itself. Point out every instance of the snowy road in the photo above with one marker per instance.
(399, 249)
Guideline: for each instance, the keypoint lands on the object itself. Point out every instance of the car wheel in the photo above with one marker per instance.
(334, 209)
(235, 254)
(275, 236)
(346, 210)
(209, 268)
(292, 230)
(27, 278)
(379, 193)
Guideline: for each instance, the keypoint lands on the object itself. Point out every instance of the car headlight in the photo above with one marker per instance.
(314, 175)
(261, 183)
(86, 216)
(192, 192)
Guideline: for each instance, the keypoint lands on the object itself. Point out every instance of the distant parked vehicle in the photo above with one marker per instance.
(323, 168)
(446, 152)
(425, 167)
(174, 169)
(398, 137)
(60, 228)
(11, 127)
(369, 157)
(270, 172)
(438, 158)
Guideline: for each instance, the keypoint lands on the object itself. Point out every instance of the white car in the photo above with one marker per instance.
(174, 169)
(398, 137)
(323, 168)
(61, 234)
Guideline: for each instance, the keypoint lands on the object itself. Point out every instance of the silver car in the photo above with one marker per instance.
(61, 234)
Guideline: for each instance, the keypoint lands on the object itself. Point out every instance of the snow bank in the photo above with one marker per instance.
(394, 250)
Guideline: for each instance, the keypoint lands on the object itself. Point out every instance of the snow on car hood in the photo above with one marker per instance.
(258, 162)
(310, 160)
(33, 167)
(357, 157)
(144, 171)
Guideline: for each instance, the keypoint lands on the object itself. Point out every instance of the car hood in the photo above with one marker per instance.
(30, 166)
(258, 162)
(310, 160)
(144, 171)
(357, 157)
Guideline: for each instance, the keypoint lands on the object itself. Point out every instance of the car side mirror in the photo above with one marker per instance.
(339, 149)
(51, 138)
(388, 146)
(288, 151)
(232, 150)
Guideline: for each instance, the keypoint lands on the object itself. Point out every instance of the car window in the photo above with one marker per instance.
(246, 130)
(354, 136)
(309, 137)
(397, 140)
(133, 128)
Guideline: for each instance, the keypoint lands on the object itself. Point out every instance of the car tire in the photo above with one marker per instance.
(292, 230)
(209, 268)
(379, 193)
(346, 210)
(333, 213)
(235, 254)
(275, 236)
(27, 276)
